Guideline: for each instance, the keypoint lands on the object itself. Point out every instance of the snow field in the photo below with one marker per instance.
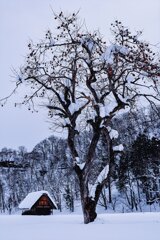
(128, 226)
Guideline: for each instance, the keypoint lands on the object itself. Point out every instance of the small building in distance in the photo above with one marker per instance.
(38, 203)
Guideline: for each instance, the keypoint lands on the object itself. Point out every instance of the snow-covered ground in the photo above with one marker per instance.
(128, 226)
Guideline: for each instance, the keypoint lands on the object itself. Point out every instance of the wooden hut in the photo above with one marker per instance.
(38, 203)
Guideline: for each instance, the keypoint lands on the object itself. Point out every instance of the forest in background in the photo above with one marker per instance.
(133, 184)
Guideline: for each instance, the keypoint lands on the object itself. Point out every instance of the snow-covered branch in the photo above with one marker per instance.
(101, 177)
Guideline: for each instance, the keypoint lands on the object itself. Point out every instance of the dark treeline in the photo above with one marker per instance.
(134, 182)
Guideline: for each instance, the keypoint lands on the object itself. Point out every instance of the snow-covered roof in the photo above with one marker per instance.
(32, 197)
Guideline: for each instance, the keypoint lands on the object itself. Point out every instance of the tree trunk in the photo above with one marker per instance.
(89, 210)
(109, 189)
(88, 204)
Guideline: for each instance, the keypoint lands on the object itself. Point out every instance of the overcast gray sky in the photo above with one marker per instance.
(21, 20)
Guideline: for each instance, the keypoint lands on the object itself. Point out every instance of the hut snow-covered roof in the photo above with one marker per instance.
(32, 198)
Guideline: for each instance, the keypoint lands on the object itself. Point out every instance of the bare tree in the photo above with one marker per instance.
(84, 84)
